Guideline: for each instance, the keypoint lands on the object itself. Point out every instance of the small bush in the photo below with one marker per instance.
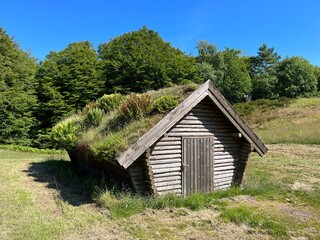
(65, 134)
(110, 102)
(109, 146)
(93, 117)
(165, 103)
(89, 106)
(135, 106)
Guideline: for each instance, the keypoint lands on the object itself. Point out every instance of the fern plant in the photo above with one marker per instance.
(66, 133)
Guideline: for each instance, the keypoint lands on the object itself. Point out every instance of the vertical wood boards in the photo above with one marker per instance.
(197, 165)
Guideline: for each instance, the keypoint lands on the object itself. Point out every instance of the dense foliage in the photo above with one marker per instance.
(34, 97)
(226, 69)
(66, 82)
(262, 70)
(296, 78)
(141, 60)
(17, 95)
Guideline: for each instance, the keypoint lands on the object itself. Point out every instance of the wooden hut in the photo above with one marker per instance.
(200, 146)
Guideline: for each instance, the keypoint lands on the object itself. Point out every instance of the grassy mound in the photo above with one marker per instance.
(108, 126)
(284, 120)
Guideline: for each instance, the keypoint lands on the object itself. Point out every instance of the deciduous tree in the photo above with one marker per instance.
(296, 78)
(140, 60)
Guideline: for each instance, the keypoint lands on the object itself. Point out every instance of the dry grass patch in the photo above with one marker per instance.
(186, 224)
(289, 121)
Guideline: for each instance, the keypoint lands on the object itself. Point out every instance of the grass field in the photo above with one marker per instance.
(41, 197)
(284, 121)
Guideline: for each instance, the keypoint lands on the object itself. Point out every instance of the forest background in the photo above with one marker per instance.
(36, 95)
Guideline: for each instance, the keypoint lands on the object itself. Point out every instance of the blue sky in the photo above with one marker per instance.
(291, 27)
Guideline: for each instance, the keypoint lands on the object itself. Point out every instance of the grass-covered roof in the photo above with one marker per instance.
(112, 123)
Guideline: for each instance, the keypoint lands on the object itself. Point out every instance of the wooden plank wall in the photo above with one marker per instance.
(165, 165)
(203, 120)
(139, 175)
(244, 157)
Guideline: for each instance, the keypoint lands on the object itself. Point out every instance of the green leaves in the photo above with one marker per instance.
(17, 98)
(141, 60)
(65, 134)
(296, 78)
(262, 69)
(165, 103)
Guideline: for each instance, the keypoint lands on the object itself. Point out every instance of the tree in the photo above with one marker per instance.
(236, 83)
(226, 69)
(317, 73)
(296, 78)
(66, 82)
(77, 79)
(209, 54)
(141, 60)
(17, 98)
(262, 69)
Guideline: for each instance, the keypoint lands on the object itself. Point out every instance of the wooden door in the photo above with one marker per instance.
(197, 164)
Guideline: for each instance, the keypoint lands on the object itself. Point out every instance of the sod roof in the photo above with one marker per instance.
(121, 128)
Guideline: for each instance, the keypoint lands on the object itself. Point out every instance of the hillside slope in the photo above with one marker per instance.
(284, 120)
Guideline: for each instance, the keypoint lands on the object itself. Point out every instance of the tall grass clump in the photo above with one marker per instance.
(110, 102)
(130, 204)
(66, 133)
(93, 117)
(88, 106)
(135, 106)
(121, 205)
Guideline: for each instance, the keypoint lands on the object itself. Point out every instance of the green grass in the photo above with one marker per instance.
(31, 149)
(247, 215)
(25, 211)
(284, 120)
(43, 198)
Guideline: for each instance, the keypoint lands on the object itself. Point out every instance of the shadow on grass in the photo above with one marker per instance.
(72, 187)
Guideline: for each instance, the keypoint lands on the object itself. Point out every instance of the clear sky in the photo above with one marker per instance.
(292, 27)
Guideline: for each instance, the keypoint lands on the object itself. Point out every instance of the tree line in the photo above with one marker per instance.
(35, 95)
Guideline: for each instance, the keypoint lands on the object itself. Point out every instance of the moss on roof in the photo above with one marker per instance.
(114, 122)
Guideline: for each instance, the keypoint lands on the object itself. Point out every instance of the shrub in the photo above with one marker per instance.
(165, 103)
(109, 146)
(110, 102)
(65, 134)
(88, 106)
(93, 117)
(135, 106)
